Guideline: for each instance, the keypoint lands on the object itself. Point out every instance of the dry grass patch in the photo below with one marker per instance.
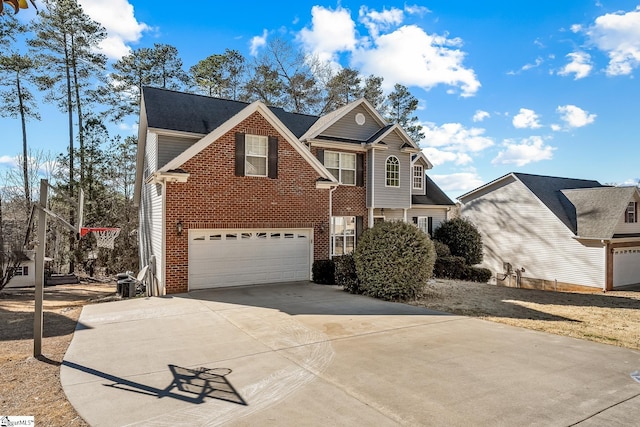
(31, 386)
(611, 318)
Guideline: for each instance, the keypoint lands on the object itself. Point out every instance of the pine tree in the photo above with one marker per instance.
(401, 105)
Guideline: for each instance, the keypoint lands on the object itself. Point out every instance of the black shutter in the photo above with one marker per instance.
(360, 170)
(320, 156)
(273, 157)
(239, 154)
(415, 220)
(359, 226)
(430, 225)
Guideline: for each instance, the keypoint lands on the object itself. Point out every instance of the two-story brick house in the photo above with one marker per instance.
(232, 193)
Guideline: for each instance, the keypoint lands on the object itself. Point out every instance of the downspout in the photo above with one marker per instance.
(331, 190)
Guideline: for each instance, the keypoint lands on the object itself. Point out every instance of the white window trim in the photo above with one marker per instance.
(415, 168)
(386, 171)
(344, 235)
(340, 168)
(247, 155)
(631, 211)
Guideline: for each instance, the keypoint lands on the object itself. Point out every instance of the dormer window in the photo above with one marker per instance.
(631, 215)
(418, 177)
(393, 172)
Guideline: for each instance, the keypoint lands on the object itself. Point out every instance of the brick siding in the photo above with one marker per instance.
(213, 197)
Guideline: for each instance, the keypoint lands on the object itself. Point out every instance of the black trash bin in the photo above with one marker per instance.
(126, 288)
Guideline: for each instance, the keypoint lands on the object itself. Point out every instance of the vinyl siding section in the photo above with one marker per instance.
(150, 212)
(628, 228)
(347, 127)
(517, 228)
(438, 215)
(151, 227)
(392, 197)
(169, 147)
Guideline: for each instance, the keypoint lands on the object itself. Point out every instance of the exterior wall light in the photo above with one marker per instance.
(179, 227)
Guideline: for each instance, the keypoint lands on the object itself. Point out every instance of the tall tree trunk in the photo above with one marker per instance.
(25, 151)
(67, 66)
(74, 65)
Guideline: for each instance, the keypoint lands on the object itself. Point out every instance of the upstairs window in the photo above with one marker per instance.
(342, 166)
(256, 155)
(393, 172)
(631, 215)
(418, 177)
(256, 148)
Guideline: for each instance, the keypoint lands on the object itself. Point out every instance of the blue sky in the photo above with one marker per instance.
(544, 87)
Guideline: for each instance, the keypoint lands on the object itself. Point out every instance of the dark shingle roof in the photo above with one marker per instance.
(549, 190)
(185, 112)
(434, 196)
(599, 209)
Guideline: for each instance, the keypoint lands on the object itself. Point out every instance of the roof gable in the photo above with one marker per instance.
(598, 210)
(224, 128)
(329, 119)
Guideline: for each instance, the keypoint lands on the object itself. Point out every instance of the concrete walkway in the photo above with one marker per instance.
(306, 354)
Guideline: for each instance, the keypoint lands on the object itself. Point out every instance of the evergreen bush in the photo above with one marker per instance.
(393, 261)
(463, 239)
(323, 272)
(346, 274)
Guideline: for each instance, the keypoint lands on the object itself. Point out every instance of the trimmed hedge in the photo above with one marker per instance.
(442, 250)
(323, 272)
(393, 261)
(449, 267)
(346, 274)
(454, 267)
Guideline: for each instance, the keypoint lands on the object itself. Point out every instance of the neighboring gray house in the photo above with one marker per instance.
(557, 233)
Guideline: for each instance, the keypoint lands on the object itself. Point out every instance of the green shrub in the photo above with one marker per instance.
(463, 239)
(477, 274)
(323, 272)
(442, 250)
(346, 274)
(450, 267)
(394, 260)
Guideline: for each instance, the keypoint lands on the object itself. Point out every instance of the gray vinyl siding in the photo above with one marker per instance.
(169, 147)
(519, 229)
(626, 227)
(424, 178)
(347, 127)
(392, 197)
(150, 233)
(150, 220)
(439, 215)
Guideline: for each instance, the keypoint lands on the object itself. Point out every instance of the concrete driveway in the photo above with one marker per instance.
(305, 354)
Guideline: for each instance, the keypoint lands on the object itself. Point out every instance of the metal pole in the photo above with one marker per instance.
(40, 251)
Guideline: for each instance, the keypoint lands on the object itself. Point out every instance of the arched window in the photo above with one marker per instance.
(393, 172)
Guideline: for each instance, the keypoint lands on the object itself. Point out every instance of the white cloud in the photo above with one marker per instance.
(575, 117)
(532, 149)
(526, 119)
(257, 42)
(455, 137)
(331, 31)
(576, 28)
(538, 62)
(379, 21)
(556, 127)
(117, 17)
(580, 65)
(480, 115)
(618, 34)
(458, 182)
(10, 161)
(438, 157)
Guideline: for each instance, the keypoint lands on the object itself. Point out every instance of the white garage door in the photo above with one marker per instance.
(626, 266)
(245, 257)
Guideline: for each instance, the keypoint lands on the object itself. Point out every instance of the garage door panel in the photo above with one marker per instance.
(626, 266)
(240, 257)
